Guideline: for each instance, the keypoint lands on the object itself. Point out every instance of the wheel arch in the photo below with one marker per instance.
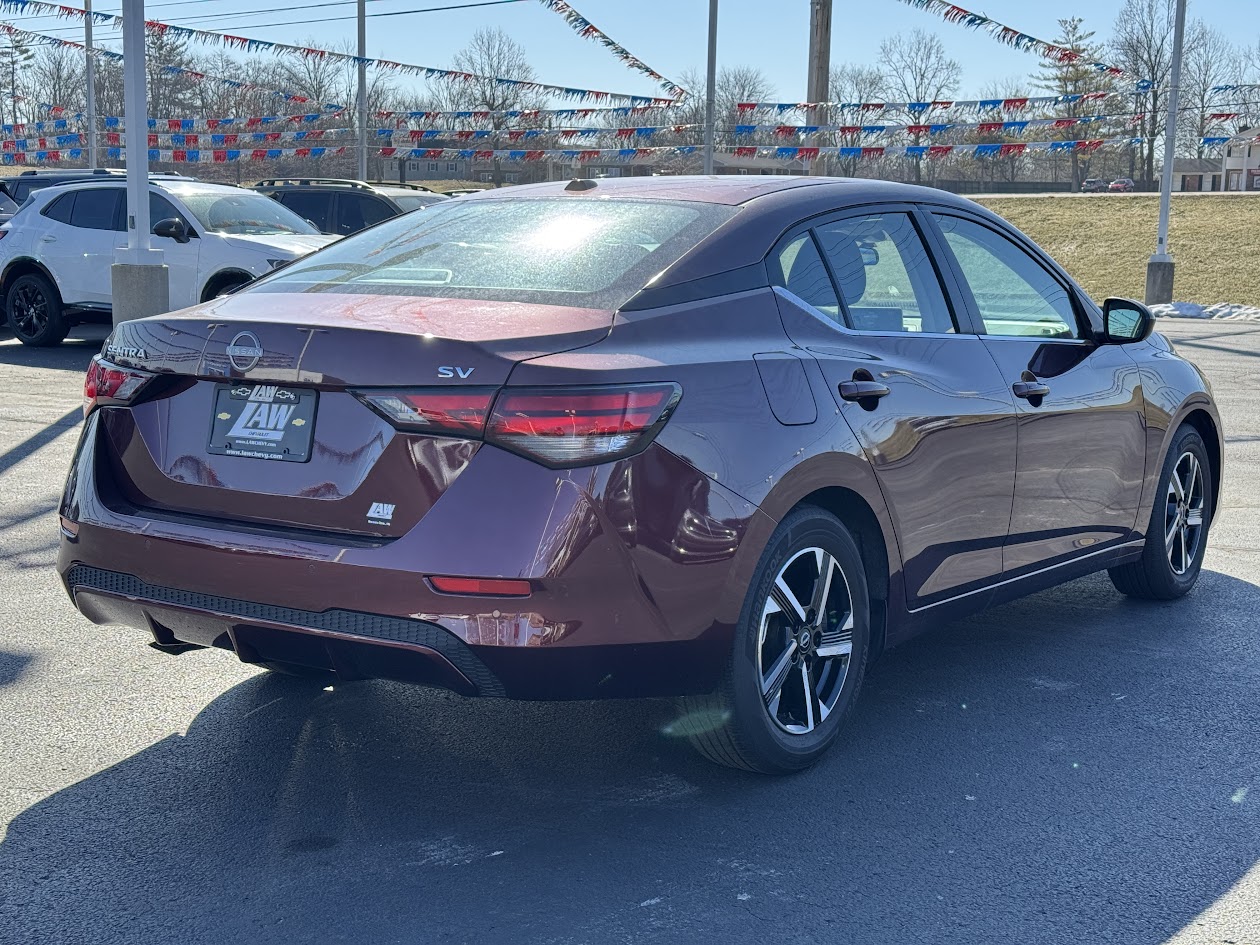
(1209, 429)
(21, 266)
(223, 277)
(844, 485)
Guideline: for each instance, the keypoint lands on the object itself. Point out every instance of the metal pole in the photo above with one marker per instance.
(710, 90)
(1159, 271)
(818, 80)
(363, 135)
(137, 125)
(90, 65)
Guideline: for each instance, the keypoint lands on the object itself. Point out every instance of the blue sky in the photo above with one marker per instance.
(667, 34)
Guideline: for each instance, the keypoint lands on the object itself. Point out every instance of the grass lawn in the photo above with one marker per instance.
(1105, 241)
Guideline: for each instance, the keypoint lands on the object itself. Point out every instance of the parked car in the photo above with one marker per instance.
(1093, 185)
(14, 190)
(719, 438)
(343, 207)
(56, 253)
(1122, 186)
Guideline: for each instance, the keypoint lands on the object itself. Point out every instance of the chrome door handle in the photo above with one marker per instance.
(862, 390)
(1027, 390)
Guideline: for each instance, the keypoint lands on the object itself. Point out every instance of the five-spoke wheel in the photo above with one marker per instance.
(799, 652)
(1176, 536)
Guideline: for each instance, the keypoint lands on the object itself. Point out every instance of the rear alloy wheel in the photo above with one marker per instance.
(1176, 537)
(799, 657)
(34, 310)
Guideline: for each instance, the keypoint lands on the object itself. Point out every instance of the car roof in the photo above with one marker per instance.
(767, 206)
(175, 185)
(733, 190)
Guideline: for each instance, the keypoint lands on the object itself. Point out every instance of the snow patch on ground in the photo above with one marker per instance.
(1226, 310)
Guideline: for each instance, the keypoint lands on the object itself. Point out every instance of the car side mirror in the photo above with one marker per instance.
(172, 228)
(1126, 321)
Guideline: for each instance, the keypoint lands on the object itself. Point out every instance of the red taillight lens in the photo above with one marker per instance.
(110, 384)
(462, 412)
(579, 426)
(481, 587)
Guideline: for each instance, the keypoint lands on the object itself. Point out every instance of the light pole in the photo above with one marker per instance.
(90, 68)
(710, 90)
(1159, 271)
(818, 80)
(139, 282)
(362, 103)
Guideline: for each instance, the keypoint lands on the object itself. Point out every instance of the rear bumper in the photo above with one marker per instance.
(633, 596)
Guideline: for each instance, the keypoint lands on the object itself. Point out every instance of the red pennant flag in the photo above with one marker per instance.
(212, 123)
(785, 131)
(1064, 123)
(746, 152)
(231, 139)
(191, 140)
(940, 150)
(153, 141)
(534, 155)
(173, 124)
(179, 156)
(990, 127)
(807, 154)
(484, 156)
(1011, 150)
(463, 135)
(1014, 104)
(113, 139)
(872, 152)
(302, 152)
(258, 154)
(516, 135)
(220, 157)
(918, 129)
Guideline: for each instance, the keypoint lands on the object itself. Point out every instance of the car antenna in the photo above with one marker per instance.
(581, 183)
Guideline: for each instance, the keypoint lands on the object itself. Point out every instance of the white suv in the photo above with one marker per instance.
(56, 252)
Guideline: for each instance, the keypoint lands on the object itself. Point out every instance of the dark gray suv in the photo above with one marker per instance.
(343, 207)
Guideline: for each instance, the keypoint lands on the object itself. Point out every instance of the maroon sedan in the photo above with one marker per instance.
(724, 439)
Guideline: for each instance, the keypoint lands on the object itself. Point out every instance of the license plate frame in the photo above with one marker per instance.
(263, 421)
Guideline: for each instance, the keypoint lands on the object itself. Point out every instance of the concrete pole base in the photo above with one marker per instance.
(1159, 281)
(140, 290)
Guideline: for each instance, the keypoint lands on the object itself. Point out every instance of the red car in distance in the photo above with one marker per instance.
(1123, 185)
(717, 438)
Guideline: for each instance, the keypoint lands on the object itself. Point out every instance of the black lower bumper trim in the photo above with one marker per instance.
(348, 622)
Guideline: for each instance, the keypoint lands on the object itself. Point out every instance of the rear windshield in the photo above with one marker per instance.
(591, 253)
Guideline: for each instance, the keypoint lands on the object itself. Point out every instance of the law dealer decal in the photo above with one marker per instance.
(263, 422)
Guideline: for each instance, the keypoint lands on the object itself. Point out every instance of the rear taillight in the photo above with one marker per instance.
(579, 426)
(108, 384)
(460, 411)
(556, 426)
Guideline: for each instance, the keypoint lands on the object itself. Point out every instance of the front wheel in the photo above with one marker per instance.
(799, 654)
(1176, 537)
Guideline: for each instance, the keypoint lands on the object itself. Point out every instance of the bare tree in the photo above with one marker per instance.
(1210, 60)
(916, 68)
(1142, 44)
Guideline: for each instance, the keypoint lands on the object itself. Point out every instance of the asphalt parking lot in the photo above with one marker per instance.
(1073, 767)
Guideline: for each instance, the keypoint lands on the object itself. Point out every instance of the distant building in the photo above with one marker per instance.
(1240, 166)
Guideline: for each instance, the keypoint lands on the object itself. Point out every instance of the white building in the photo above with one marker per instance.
(1240, 166)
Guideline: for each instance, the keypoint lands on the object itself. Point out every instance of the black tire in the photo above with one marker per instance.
(1167, 572)
(221, 284)
(733, 726)
(33, 307)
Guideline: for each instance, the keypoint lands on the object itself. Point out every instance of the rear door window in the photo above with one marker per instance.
(886, 279)
(96, 209)
(309, 206)
(798, 267)
(358, 211)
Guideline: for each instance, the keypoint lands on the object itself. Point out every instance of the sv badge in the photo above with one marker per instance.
(463, 373)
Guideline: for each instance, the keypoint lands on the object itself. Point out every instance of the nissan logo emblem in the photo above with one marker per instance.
(244, 351)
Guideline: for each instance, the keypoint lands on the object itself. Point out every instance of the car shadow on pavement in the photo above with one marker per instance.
(12, 666)
(73, 354)
(1071, 767)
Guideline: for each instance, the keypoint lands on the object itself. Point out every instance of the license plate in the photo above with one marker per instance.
(263, 422)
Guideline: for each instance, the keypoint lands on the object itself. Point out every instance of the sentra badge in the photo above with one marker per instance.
(244, 351)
